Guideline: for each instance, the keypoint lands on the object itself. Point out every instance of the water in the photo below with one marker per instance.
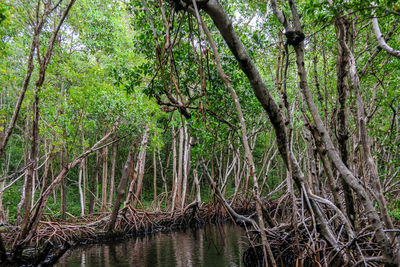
(215, 245)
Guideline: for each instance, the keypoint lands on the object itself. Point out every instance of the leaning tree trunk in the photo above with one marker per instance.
(122, 186)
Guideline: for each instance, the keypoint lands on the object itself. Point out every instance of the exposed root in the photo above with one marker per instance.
(53, 239)
(300, 244)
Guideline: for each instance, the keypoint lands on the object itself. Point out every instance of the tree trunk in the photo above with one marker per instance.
(133, 177)
(197, 183)
(112, 175)
(3, 218)
(63, 186)
(342, 89)
(81, 195)
(180, 169)
(186, 163)
(104, 180)
(174, 174)
(122, 186)
(32, 158)
(154, 179)
(165, 188)
(141, 164)
(370, 169)
(93, 182)
(26, 161)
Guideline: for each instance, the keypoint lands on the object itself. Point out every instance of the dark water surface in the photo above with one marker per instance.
(214, 245)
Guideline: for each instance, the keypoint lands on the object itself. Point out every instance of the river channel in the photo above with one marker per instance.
(213, 245)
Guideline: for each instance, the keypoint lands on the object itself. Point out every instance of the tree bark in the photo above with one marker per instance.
(63, 160)
(154, 179)
(342, 64)
(197, 183)
(180, 169)
(186, 163)
(141, 164)
(104, 180)
(81, 195)
(112, 175)
(174, 174)
(165, 188)
(28, 185)
(381, 39)
(93, 182)
(371, 169)
(122, 186)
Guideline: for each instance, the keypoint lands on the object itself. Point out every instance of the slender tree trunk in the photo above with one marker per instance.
(26, 161)
(85, 179)
(133, 177)
(174, 174)
(186, 163)
(165, 187)
(328, 170)
(46, 171)
(104, 180)
(32, 158)
(112, 175)
(3, 218)
(154, 179)
(93, 182)
(63, 186)
(342, 133)
(180, 169)
(81, 195)
(141, 164)
(197, 183)
(371, 169)
(122, 186)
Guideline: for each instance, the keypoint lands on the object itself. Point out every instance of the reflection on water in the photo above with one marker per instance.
(215, 245)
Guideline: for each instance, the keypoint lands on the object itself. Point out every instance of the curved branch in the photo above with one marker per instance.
(382, 41)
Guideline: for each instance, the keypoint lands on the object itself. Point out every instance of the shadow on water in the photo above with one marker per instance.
(214, 245)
